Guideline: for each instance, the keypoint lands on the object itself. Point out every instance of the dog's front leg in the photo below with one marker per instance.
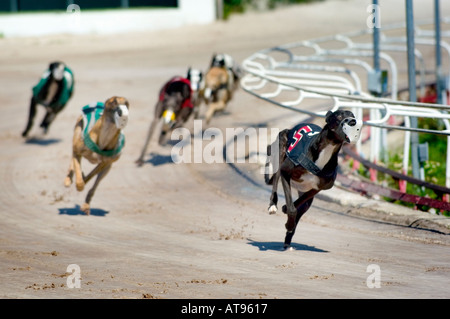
(302, 204)
(95, 171)
(86, 208)
(69, 178)
(79, 179)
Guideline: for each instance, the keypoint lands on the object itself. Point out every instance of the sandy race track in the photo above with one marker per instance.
(186, 231)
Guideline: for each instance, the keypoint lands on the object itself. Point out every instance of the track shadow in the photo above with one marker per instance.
(278, 246)
(42, 142)
(158, 160)
(77, 211)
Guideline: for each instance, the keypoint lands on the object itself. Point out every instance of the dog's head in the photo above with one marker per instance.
(195, 76)
(57, 70)
(117, 107)
(172, 106)
(343, 126)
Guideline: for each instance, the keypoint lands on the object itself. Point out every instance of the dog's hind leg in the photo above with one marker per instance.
(213, 108)
(48, 119)
(86, 208)
(275, 157)
(69, 178)
(153, 124)
(300, 211)
(210, 112)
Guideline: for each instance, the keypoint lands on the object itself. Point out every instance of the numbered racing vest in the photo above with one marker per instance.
(299, 139)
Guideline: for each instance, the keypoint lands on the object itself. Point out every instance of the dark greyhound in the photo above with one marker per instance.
(53, 91)
(174, 108)
(306, 158)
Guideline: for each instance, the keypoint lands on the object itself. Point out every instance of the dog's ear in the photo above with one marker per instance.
(328, 117)
(127, 104)
(52, 65)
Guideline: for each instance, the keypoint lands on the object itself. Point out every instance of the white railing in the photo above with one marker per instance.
(335, 76)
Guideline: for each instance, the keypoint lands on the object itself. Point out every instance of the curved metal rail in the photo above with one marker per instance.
(290, 74)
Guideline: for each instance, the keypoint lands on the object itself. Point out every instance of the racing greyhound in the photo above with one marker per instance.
(53, 91)
(307, 158)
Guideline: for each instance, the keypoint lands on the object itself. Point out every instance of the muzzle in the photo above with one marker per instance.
(168, 118)
(58, 72)
(121, 116)
(352, 129)
(207, 94)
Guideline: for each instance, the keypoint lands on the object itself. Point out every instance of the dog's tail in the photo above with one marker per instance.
(268, 174)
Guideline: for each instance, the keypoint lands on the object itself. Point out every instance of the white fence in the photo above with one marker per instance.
(336, 70)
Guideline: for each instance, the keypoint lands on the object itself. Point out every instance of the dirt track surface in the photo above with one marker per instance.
(168, 230)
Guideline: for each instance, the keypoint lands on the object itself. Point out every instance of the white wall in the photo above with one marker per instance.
(107, 21)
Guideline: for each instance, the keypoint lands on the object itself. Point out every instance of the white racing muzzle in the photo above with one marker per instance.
(58, 72)
(121, 116)
(207, 93)
(352, 129)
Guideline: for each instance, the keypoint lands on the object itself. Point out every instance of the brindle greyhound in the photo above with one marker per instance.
(174, 107)
(99, 141)
(307, 160)
(53, 91)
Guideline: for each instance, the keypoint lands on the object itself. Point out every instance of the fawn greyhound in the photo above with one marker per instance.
(98, 138)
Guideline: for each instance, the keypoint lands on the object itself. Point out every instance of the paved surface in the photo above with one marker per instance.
(168, 230)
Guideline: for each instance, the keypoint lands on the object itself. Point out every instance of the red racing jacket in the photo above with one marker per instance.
(172, 84)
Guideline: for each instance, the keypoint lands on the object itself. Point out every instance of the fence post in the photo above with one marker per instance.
(412, 85)
(14, 5)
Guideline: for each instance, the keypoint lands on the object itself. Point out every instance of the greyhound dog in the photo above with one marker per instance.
(221, 81)
(53, 91)
(307, 158)
(98, 138)
(174, 108)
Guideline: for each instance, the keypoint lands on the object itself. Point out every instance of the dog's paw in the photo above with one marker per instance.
(86, 208)
(80, 186)
(272, 209)
(139, 161)
(67, 181)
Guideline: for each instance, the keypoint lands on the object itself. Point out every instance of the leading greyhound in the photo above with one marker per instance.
(98, 138)
(307, 160)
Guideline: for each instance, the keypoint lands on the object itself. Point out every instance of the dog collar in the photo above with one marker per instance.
(108, 153)
(91, 113)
